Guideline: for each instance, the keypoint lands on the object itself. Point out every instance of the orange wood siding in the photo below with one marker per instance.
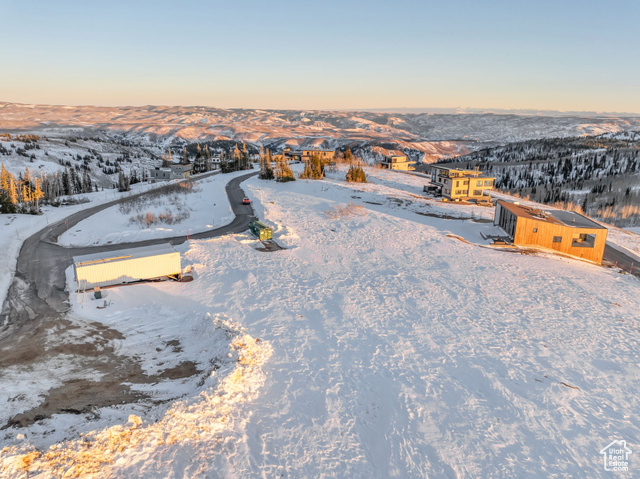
(525, 236)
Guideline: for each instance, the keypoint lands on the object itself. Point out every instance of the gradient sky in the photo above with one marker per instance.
(306, 54)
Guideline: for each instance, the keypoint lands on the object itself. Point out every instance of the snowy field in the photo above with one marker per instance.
(392, 343)
(206, 207)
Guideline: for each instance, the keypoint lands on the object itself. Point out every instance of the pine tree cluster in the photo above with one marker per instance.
(313, 169)
(356, 174)
(266, 172)
(596, 173)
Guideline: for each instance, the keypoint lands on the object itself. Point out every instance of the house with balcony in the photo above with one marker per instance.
(176, 171)
(397, 162)
(564, 231)
(459, 185)
(305, 154)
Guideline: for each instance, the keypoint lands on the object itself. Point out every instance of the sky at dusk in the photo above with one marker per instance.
(548, 55)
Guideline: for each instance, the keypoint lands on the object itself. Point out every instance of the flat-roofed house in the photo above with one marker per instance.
(176, 171)
(397, 162)
(564, 231)
(159, 174)
(457, 184)
(305, 154)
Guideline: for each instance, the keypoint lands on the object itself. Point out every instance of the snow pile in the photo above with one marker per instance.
(183, 440)
(388, 348)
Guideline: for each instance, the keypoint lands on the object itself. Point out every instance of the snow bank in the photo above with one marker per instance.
(395, 350)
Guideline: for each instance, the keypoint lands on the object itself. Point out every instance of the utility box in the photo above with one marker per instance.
(126, 266)
(261, 231)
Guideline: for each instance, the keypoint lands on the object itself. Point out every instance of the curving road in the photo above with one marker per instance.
(35, 328)
(39, 282)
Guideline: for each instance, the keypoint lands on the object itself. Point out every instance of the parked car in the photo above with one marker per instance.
(246, 201)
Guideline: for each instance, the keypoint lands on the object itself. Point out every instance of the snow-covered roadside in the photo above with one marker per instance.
(207, 205)
(185, 419)
(397, 351)
(158, 326)
(14, 229)
(627, 240)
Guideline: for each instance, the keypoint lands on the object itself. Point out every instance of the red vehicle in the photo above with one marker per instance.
(246, 201)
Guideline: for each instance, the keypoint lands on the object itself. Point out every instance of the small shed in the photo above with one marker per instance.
(126, 266)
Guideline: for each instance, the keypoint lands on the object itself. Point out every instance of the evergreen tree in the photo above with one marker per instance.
(37, 195)
(283, 172)
(266, 172)
(13, 191)
(348, 156)
(123, 182)
(4, 179)
(207, 155)
(356, 174)
(245, 157)
(313, 169)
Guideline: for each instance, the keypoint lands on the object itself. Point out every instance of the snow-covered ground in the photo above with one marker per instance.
(14, 229)
(207, 207)
(393, 343)
(626, 240)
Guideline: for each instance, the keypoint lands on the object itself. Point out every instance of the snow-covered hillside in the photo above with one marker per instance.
(101, 156)
(392, 343)
(421, 132)
(598, 174)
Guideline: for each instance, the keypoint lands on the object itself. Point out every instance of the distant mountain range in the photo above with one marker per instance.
(335, 128)
(541, 156)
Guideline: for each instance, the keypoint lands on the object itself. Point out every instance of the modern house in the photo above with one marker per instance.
(305, 154)
(397, 162)
(455, 184)
(176, 171)
(564, 231)
(159, 174)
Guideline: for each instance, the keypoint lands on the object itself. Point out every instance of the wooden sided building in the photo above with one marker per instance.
(564, 231)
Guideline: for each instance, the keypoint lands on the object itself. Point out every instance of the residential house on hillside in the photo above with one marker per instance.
(305, 154)
(397, 162)
(455, 184)
(176, 171)
(563, 231)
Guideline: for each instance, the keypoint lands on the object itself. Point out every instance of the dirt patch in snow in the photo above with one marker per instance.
(185, 369)
(79, 396)
(269, 246)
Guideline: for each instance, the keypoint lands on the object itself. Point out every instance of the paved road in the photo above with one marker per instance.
(39, 282)
(36, 332)
(622, 260)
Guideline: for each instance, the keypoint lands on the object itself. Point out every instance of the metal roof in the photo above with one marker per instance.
(124, 254)
(569, 218)
(566, 218)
